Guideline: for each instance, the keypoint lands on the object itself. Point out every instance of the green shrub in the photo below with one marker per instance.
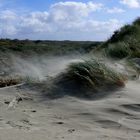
(119, 50)
(125, 42)
(137, 21)
(120, 35)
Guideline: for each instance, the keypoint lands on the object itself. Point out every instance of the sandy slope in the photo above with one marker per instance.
(116, 117)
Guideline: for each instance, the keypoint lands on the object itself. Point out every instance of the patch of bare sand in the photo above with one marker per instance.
(115, 117)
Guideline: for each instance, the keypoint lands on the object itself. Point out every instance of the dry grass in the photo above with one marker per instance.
(9, 81)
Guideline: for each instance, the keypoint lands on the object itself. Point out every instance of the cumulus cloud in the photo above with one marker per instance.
(63, 20)
(7, 15)
(73, 10)
(34, 22)
(131, 3)
(115, 10)
(7, 23)
(7, 30)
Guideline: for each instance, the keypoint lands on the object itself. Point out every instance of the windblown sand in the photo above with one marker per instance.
(114, 117)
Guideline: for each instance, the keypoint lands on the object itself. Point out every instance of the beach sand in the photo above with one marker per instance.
(32, 117)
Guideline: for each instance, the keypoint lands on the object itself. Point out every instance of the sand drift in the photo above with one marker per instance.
(59, 76)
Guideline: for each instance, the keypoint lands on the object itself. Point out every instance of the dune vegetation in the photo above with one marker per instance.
(124, 43)
(46, 47)
(95, 74)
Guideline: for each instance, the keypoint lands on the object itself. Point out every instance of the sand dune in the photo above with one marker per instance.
(114, 117)
(26, 113)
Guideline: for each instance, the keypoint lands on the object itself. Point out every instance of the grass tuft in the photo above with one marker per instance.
(95, 75)
(9, 81)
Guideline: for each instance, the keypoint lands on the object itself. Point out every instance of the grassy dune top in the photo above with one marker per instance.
(124, 43)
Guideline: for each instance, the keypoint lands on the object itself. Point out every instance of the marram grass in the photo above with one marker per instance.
(95, 75)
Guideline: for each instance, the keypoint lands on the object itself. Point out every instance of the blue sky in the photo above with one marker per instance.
(65, 20)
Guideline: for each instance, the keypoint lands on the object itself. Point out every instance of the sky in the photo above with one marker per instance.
(93, 20)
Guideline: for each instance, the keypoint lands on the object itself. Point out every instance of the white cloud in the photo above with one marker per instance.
(63, 20)
(131, 3)
(7, 15)
(72, 10)
(9, 30)
(109, 25)
(34, 22)
(7, 23)
(115, 10)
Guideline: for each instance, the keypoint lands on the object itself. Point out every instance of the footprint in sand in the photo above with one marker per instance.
(22, 124)
(71, 130)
